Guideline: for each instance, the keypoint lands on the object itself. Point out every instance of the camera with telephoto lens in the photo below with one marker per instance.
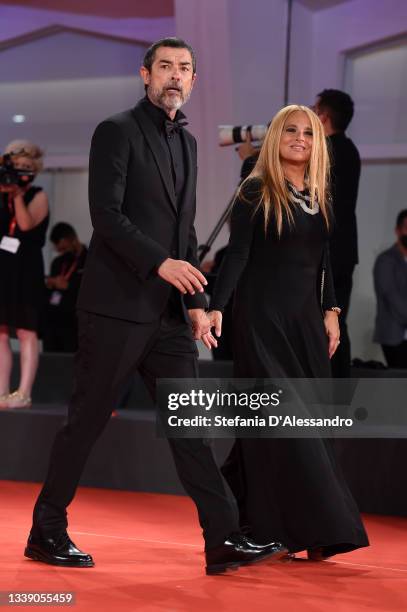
(235, 134)
(9, 175)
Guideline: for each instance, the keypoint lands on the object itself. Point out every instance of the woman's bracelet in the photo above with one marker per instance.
(334, 309)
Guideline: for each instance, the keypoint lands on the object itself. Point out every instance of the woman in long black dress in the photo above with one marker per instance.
(23, 225)
(289, 489)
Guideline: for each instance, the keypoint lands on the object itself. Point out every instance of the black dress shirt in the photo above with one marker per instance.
(172, 144)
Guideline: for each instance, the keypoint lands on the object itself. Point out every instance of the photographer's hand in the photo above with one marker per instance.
(246, 149)
(30, 216)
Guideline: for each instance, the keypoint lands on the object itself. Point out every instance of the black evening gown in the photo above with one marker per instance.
(290, 490)
(22, 288)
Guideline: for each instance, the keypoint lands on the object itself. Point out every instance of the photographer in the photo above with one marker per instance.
(23, 226)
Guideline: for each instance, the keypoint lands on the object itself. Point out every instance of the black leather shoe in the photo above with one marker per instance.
(239, 550)
(57, 551)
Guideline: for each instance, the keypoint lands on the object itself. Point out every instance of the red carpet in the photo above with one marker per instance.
(148, 554)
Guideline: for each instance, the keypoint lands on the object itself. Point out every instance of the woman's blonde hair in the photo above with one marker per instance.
(25, 148)
(274, 194)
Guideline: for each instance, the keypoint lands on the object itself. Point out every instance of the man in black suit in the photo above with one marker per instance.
(141, 292)
(60, 329)
(335, 109)
(390, 282)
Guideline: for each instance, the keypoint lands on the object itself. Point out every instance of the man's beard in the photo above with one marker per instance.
(166, 101)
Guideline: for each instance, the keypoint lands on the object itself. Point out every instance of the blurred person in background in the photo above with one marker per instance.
(335, 110)
(60, 333)
(23, 224)
(390, 281)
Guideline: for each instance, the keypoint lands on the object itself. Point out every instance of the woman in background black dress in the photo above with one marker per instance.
(23, 226)
(289, 489)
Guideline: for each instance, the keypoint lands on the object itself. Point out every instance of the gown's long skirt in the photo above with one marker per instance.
(290, 490)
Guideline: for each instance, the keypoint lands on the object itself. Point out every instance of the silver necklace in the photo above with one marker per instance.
(303, 200)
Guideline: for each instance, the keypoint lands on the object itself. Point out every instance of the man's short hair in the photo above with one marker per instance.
(171, 41)
(401, 217)
(62, 230)
(339, 105)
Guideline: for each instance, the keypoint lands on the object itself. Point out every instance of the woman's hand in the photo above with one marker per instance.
(332, 330)
(215, 318)
(15, 190)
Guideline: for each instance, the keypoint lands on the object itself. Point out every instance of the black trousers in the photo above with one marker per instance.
(396, 356)
(109, 352)
(341, 360)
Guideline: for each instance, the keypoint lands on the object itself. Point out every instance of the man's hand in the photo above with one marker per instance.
(246, 149)
(182, 275)
(332, 330)
(60, 282)
(207, 266)
(57, 282)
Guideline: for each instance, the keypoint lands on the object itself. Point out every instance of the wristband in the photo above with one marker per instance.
(335, 309)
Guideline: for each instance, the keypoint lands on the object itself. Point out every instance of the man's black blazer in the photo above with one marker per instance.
(135, 219)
